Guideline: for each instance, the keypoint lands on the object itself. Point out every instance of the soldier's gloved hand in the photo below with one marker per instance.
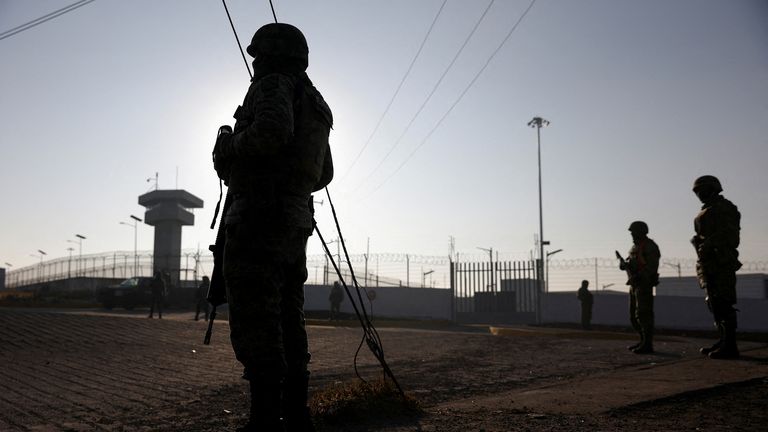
(221, 160)
(622, 266)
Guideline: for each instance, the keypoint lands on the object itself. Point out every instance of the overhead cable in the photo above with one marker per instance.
(461, 96)
(43, 19)
(397, 91)
(431, 93)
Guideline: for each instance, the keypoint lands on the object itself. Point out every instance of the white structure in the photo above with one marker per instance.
(748, 286)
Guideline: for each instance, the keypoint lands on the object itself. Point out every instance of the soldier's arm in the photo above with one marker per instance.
(270, 102)
(327, 175)
(652, 257)
(726, 229)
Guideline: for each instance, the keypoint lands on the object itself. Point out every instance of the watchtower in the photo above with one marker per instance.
(167, 212)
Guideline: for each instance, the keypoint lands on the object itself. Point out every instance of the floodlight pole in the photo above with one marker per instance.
(538, 122)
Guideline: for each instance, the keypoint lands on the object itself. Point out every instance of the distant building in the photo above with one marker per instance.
(748, 286)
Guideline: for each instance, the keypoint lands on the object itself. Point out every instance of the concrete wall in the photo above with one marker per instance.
(670, 311)
(748, 286)
(398, 302)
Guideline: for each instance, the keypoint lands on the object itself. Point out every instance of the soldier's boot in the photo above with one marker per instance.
(296, 415)
(265, 406)
(728, 348)
(646, 346)
(716, 345)
(635, 346)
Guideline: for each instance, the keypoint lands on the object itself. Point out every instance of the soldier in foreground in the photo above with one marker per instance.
(717, 229)
(277, 155)
(642, 268)
(586, 299)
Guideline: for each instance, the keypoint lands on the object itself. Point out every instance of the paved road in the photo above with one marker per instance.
(94, 371)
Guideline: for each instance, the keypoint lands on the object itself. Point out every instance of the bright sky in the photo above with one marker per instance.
(643, 97)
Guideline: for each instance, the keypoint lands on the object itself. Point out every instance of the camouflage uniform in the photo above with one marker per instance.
(642, 268)
(717, 229)
(586, 299)
(278, 155)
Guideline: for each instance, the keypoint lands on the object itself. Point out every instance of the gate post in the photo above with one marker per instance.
(453, 292)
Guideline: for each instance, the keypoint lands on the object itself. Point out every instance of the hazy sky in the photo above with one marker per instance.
(643, 96)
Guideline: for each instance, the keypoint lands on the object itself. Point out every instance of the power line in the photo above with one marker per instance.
(397, 91)
(43, 19)
(461, 96)
(431, 93)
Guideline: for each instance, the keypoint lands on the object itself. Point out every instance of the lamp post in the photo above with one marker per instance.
(608, 286)
(677, 266)
(490, 256)
(40, 269)
(135, 226)
(538, 122)
(69, 263)
(79, 242)
(424, 276)
(549, 254)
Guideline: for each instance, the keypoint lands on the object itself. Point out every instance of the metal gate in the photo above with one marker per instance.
(504, 292)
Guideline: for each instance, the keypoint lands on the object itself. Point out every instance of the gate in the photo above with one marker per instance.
(504, 292)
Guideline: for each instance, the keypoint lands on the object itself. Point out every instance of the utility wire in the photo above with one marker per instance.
(434, 89)
(239, 45)
(397, 91)
(43, 19)
(456, 102)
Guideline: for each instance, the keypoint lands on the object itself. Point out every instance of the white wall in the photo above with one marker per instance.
(399, 302)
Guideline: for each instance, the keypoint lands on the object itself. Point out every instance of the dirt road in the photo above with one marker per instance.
(88, 371)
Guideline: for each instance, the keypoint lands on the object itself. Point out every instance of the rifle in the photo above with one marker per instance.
(217, 293)
(623, 264)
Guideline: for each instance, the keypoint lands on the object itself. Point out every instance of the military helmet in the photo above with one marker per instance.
(279, 39)
(639, 227)
(707, 181)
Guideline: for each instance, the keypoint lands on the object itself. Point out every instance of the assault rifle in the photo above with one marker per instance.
(217, 293)
(623, 264)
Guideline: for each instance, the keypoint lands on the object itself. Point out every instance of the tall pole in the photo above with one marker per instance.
(538, 122)
(136, 221)
(80, 239)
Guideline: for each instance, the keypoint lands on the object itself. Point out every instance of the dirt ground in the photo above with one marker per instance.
(86, 370)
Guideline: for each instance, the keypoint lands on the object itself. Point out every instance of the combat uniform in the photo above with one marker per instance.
(278, 155)
(717, 229)
(586, 299)
(642, 269)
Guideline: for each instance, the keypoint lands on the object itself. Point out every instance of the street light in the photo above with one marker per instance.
(40, 269)
(69, 263)
(424, 276)
(677, 266)
(79, 241)
(549, 254)
(135, 226)
(538, 122)
(608, 286)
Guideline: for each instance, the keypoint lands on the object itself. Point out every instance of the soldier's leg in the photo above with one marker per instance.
(645, 318)
(633, 317)
(723, 299)
(296, 414)
(718, 325)
(252, 281)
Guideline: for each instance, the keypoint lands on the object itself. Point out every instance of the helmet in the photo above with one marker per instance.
(279, 39)
(639, 227)
(707, 181)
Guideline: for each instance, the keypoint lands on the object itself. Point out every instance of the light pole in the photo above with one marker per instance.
(40, 269)
(677, 266)
(549, 254)
(79, 241)
(538, 122)
(490, 255)
(607, 286)
(424, 276)
(69, 263)
(135, 226)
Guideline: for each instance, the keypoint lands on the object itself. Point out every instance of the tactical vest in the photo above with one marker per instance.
(277, 189)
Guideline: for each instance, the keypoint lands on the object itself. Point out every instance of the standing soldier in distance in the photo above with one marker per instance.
(717, 229)
(642, 267)
(158, 291)
(201, 300)
(585, 297)
(277, 155)
(335, 297)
